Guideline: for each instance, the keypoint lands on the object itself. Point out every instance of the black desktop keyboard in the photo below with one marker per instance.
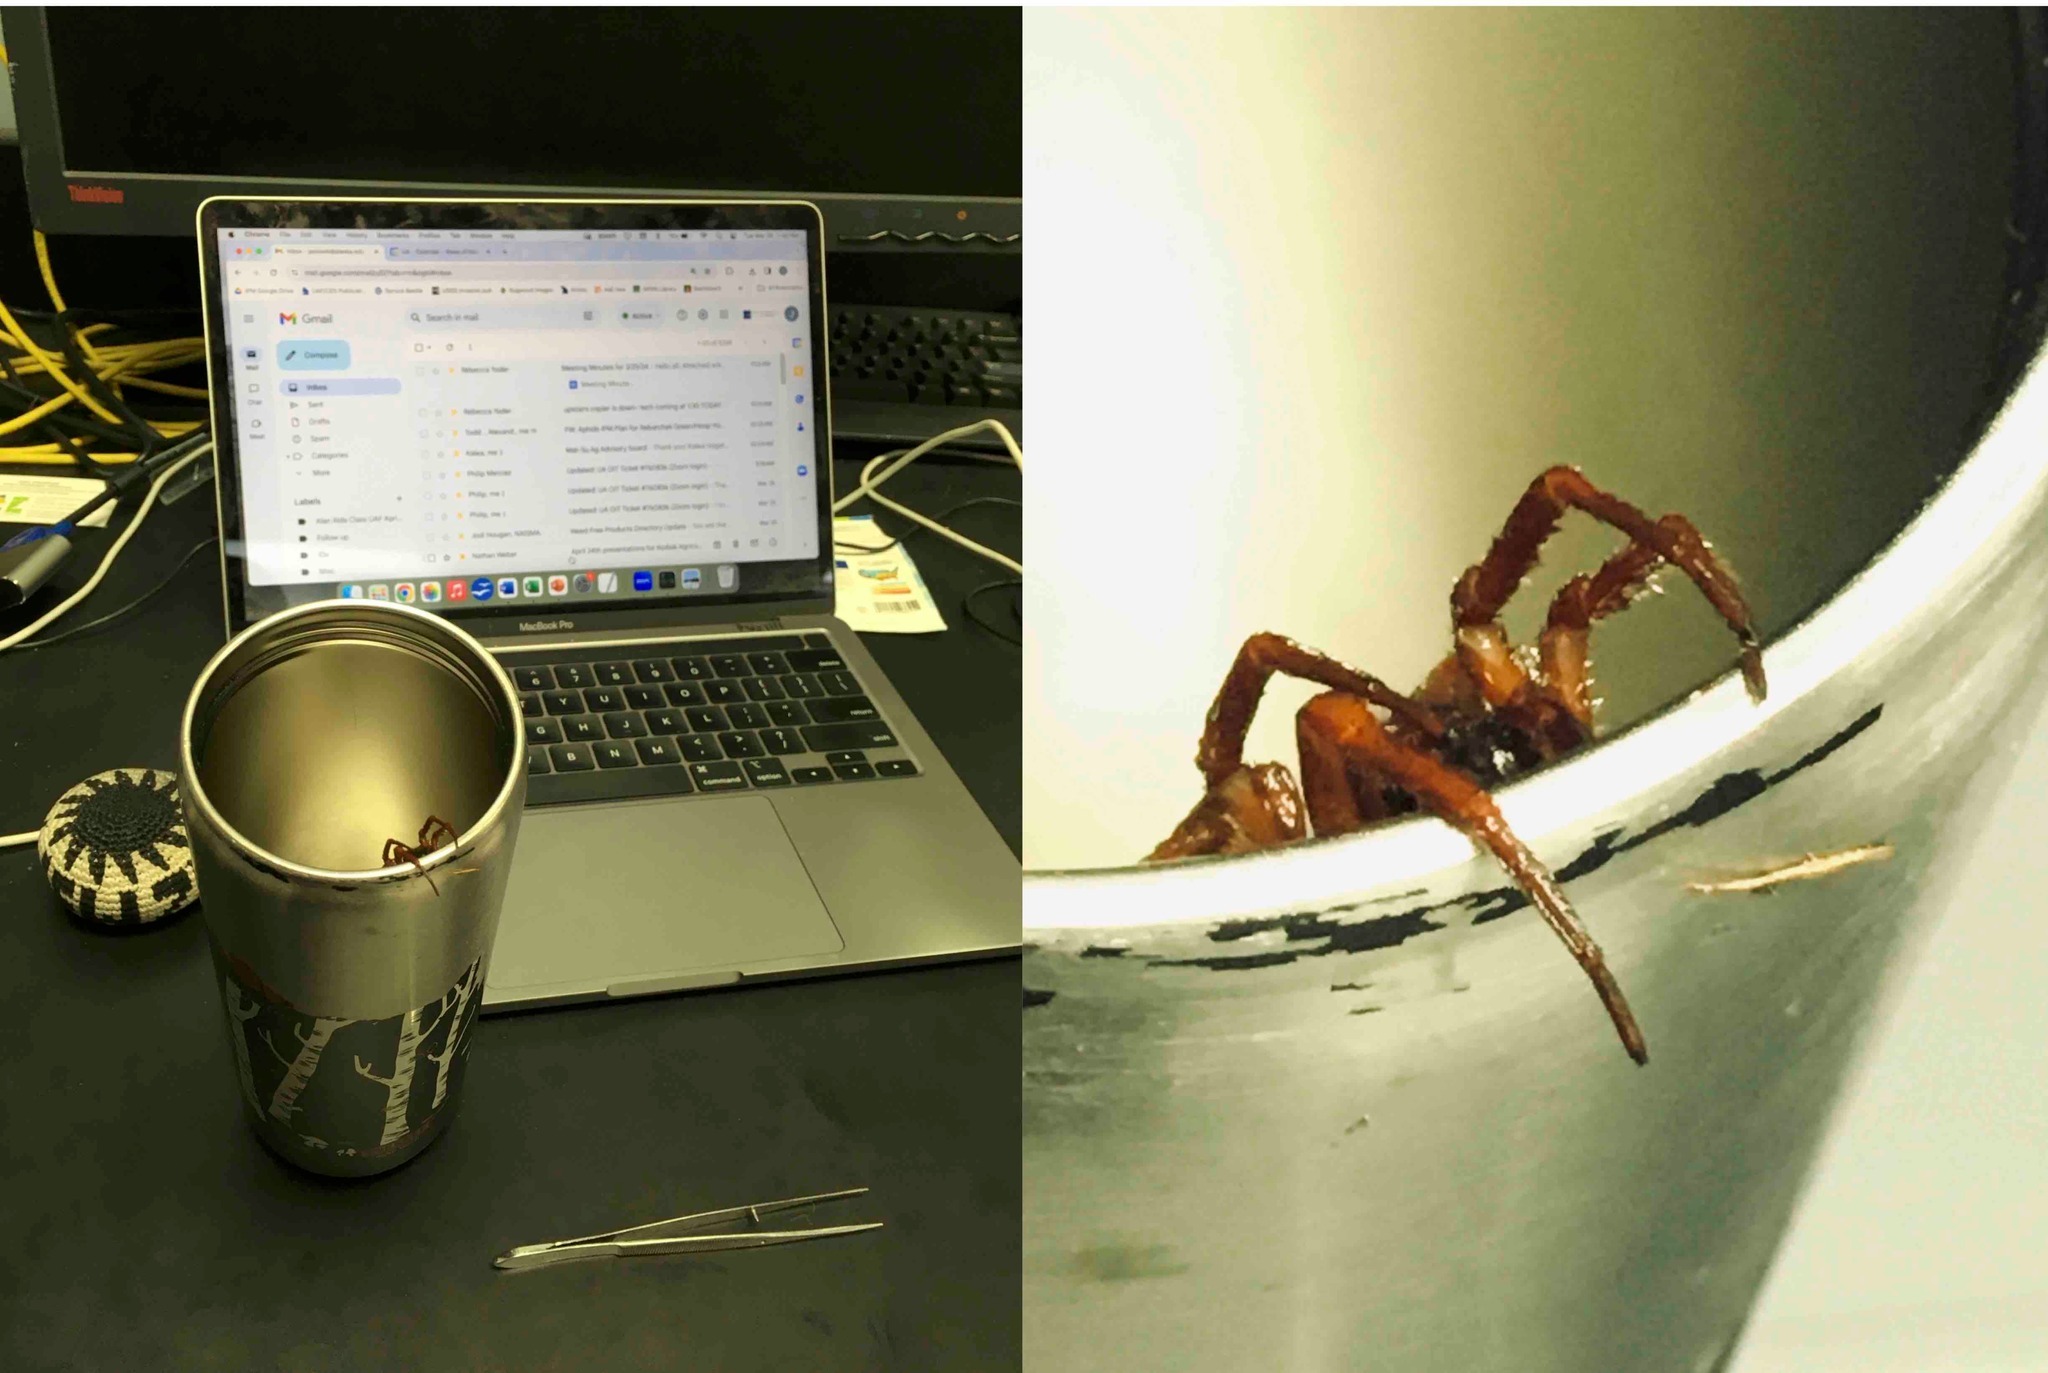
(698, 715)
(901, 374)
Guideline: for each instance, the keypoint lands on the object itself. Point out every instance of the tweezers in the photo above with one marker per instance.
(673, 1237)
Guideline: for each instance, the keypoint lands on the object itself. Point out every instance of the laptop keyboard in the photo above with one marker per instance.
(700, 715)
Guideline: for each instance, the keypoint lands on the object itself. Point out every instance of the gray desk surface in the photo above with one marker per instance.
(145, 1228)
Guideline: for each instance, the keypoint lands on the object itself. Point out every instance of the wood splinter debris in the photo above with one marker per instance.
(1811, 866)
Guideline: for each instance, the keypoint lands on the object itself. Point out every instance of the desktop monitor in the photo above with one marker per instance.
(903, 126)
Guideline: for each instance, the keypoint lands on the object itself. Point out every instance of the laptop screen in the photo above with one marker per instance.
(508, 421)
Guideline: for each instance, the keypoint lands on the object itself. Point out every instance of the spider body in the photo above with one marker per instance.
(1482, 717)
(434, 834)
(1487, 748)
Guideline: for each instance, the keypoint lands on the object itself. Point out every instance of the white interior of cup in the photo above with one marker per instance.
(1317, 293)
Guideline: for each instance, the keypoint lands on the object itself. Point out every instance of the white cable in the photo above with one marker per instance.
(114, 552)
(870, 479)
(10, 841)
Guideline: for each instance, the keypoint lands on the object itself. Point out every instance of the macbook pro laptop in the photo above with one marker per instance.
(595, 434)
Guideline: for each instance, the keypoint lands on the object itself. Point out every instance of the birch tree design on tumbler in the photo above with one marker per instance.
(372, 1111)
(398, 1104)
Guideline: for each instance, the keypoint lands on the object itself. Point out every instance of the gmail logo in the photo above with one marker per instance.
(283, 318)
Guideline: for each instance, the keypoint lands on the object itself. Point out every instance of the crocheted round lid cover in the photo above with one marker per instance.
(114, 848)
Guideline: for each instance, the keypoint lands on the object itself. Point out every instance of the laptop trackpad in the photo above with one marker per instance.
(634, 897)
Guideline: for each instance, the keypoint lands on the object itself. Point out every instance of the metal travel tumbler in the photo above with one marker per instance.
(352, 774)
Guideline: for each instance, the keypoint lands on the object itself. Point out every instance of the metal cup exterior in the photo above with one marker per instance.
(350, 985)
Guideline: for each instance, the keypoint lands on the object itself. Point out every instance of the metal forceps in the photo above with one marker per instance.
(675, 1236)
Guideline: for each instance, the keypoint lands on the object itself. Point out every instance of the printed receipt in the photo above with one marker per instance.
(878, 593)
(46, 500)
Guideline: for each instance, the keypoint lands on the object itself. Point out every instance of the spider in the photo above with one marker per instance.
(433, 834)
(1481, 717)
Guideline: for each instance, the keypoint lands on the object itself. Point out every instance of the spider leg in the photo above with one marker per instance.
(1480, 594)
(1250, 808)
(1222, 748)
(1344, 725)
(1567, 631)
(435, 833)
(1341, 792)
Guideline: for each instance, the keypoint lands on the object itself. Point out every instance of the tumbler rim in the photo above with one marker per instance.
(193, 793)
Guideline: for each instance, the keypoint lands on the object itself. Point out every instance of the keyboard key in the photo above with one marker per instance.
(610, 754)
(537, 762)
(624, 724)
(570, 758)
(543, 731)
(744, 716)
(600, 700)
(730, 664)
(854, 772)
(718, 776)
(573, 675)
(706, 719)
(530, 704)
(839, 684)
(644, 698)
(1004, 397)
(837, 709)
(653, 670)
(665, 722)
(657, 752)
(765, 772)
(846, 755)
(684, 694)
(762, 688)
(859, 734)
(782, 741)
(582, 729)
(723, 693)
(817, 639)
(878, 387)
(788, 713)
(563, 702)
(699, 748)
(817, 660)
(615, 674)
(801, 684)
(740, 744)
(607, 786)
(690, 669)
(806, 777)
(896, 767)
(767, 664)
(533, 678)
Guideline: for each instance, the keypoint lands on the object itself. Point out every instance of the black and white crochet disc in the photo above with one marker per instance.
(114, 848)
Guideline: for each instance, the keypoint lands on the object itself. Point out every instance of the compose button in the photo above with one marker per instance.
(313, 355)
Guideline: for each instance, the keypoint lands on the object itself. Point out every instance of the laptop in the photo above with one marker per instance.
(596, 435)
